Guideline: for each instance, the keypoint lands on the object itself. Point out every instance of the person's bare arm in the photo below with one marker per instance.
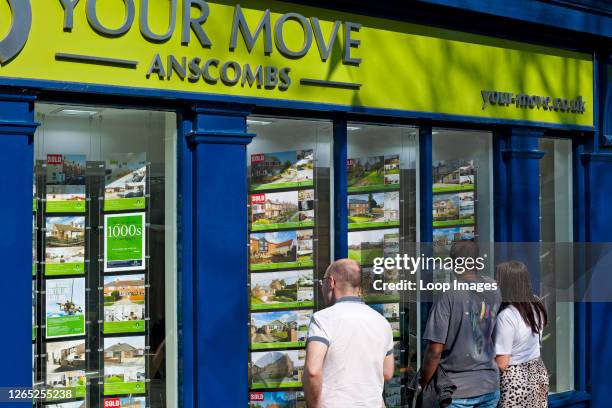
(388, 367)
(503, 361)
(313, 373)
(433, 354)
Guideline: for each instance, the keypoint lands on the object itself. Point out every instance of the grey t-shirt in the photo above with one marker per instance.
(464, 322)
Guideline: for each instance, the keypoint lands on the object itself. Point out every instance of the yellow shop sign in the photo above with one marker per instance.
(275, 50)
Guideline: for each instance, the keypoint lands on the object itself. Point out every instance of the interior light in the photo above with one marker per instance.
(257, 122)
(352, 128)
(76, 112)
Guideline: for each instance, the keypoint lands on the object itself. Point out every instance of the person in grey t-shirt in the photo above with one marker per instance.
(459, 331)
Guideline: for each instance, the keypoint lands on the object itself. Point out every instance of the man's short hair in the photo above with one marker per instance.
(464, 249)
(346, 272)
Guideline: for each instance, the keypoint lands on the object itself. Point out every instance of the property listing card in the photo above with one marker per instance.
(125, 182)
(124, 242)
(65, 183)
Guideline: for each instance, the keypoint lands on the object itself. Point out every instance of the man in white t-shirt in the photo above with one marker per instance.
(349, 351)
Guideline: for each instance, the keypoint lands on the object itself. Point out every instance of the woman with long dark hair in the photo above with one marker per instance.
(522, 317)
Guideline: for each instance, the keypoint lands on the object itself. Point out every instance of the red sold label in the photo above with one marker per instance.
(258, 158)
(55, 159)
(257, 396)
(112, 403)
(258, 198)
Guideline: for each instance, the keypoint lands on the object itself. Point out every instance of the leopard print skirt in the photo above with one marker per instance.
(524, 386)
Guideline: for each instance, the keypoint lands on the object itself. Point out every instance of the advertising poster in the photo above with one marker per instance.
(125, 182)
(65, 362)
(389, 311)
(282, 170)
(279, 329)
(273, 399)
(373, 210)
(373, 173)
(124, 242)
(124, 365)
(364, 246)
(453, 209)
(289, 209)
(65, 245)
(370, 294)
(65, 183)
(125, 402)
(443, 238)
(65, 307)
(124, 304)
(283, 289)
(453, 175)
(282, 249)
(277, 369)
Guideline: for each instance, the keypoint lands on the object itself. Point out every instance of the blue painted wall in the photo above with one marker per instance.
(16, 146)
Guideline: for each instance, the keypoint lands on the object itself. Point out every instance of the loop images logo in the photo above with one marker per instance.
(21, 22)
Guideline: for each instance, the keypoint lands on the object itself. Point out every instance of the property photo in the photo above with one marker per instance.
(272, 399)
(389, 311)
(277, 369)
(66, 170)
(125, 402)
(282, 170)
(370, 294)
(288, 209)
(65, 307)
(453, 209)
(279, 329)
(283, 289)
(65, 366)
(124, 365)
(373, 209)
(453, 175)
(393, 393)
(443, 238)
(125, 178)
(372, 173)
(364, 246)
(305, 245)
(273, 248)
(64, 245)
(124, 303)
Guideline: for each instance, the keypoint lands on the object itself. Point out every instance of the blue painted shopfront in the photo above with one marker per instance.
(212, 160)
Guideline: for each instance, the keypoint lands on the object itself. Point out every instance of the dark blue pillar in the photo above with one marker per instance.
(517, 197)
(340, 189)
(218, 141)
(16, 146)
(598, 220)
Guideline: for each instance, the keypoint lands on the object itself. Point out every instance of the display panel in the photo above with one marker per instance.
(381, 183)
(289, 174)
(104, 200)
(462, 189)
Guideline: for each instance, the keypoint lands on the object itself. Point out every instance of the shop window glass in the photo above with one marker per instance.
(382, 222)
(462, 192)
(104, 269)
(556, 261)
(289, 248)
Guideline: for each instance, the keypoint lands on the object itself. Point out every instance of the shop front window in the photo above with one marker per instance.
(382, 222)
(556, 261)
(104, 267)
(462, 192)
(289, 249)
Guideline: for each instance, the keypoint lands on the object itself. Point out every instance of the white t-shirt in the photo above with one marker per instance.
(513, 336)
(358, 340)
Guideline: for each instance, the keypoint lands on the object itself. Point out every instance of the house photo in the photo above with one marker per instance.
(65, 364)
(365, 172)
(126, 177)
(279, 329)
(273, 247)
(270, 290)
(124, 299)
(272, 399)
(277, 369)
